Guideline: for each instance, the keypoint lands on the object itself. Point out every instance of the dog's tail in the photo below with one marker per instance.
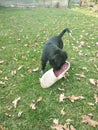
(65, 30)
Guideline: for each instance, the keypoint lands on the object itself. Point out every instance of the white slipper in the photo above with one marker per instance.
(51, 76)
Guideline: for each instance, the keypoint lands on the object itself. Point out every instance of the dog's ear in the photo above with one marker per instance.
(51, 60)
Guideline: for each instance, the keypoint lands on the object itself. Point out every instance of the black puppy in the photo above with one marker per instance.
(53, 52)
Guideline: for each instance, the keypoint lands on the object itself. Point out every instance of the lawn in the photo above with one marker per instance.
(70, 102)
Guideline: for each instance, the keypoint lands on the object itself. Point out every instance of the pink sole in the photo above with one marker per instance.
(63, 68)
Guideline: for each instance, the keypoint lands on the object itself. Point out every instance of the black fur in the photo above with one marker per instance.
(53, 52)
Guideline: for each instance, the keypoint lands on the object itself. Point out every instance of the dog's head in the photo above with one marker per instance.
(58, 59)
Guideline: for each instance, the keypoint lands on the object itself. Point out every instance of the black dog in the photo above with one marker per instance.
(53, 52)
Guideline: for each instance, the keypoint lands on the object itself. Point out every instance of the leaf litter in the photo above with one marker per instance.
(33, 105)
(72, 98)
(63, 112)
(96, 98)
(94, 82)
(87, 119)
(67, 126)
(15, 102)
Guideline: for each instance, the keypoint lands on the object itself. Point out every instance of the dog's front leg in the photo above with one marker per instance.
(43, 67)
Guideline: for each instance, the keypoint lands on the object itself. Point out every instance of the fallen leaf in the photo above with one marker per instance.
(6, 78)
(90, 104)
(81, 54)
(73, 98)
(1, 62)
(61, 89)
(95, 66)
(97, 43)
(20, 67)
(94, 81)
(96, 54)
(81, 75)
(96, 98)
(32, 106)
(13, 72)
(2, 83)
(68, 121)
(61, 97)
(56, 121)
(15, 102)
(63, 112)
(90, 115)
(30, 70)
(36, 69)
(19, 114)
(9, 115)
(1, 127)
(1, 71)
(39, 99)
(72, 127)
(58, 126)
(86, 119)
(85, 68)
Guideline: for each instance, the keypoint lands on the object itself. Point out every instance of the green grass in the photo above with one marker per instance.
(23, 33)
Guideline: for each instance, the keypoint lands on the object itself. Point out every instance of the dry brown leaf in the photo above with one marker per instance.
(30, 70)
(94, 81)
(61, 97)
(85, 68)
(95, 66)
(8, 115)
(36, 69)
(1, 71)
(13, 72)
(90, 115)
(32, 106)
(88, 120)
(81, 75)
(61, 89)
(68, 121)
(75, 48)
(73, 98)
(90, 104)
(39, 99)
(80, 54)
(97, 43)
(58, 126)
(2, 83)
(6, 78)
(96, 54)
(20, 67)
(1, 127)
(96, 98)
(56, 121)
(1, 61)
(19, 114)
(63, 112)
(15, 102)
(72, 127)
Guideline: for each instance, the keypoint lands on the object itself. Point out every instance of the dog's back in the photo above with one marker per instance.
(57, 39)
